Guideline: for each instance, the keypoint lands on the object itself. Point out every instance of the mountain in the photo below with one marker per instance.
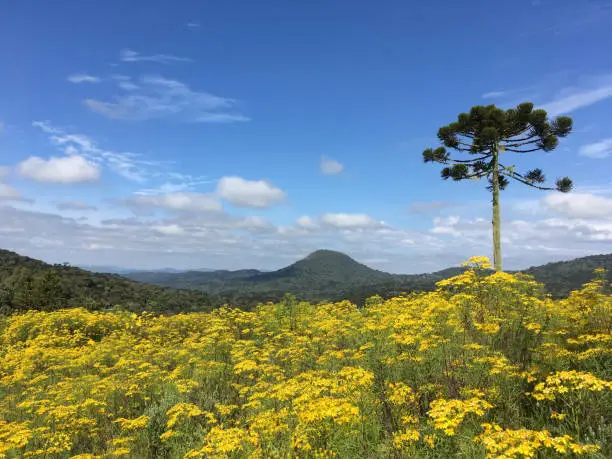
(562, 277)
(26, 283)
(189, 279)
(329, 275)
(324, 275)
(106, 269)
(321, 270)
(325, 266)
(111, 269)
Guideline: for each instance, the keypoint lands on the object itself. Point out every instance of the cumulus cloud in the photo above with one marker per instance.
(181, 201)
(330, 166)
(83, 78)
(580, 205)
(523, 240)
(185, 239)
(68, 169)
(597, 150)
(342, 220)
(446, 225)
(129, 55)
(249, 193)
(157, 97)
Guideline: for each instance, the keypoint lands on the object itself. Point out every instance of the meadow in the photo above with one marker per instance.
(485, 366)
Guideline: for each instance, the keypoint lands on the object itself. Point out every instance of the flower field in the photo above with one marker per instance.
(485, 366)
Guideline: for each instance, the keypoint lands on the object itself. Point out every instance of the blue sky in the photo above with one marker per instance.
(247, 134)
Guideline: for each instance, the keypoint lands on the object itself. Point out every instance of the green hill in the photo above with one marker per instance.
(324, 267)
(329, 275)
(190, 279)
(324, 275)
(562, 277)
(26, 283)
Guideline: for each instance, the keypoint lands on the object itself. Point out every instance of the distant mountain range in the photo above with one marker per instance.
(330, 275)
(111, 269)
(324, 275)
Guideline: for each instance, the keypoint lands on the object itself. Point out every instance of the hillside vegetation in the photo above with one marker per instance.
(26, 283)
(324, 275)
(484, 366)
(327, 275)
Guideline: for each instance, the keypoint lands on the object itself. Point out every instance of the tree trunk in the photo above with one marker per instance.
(497, 258)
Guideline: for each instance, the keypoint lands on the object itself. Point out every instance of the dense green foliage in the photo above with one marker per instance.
(565, 276)
(324, 275)
(26, 283)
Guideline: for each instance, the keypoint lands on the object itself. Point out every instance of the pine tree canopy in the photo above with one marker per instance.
(487, 130)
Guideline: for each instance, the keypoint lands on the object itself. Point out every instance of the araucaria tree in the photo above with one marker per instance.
(487, 134)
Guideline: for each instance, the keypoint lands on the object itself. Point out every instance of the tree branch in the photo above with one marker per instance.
(480, 158)
(519, 179)
(520, 144)
(514, 150)
(529, 137)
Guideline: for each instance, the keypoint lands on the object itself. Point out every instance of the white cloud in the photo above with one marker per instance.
(330, 166)
(522, 239)
(574, 98)
(597, 150)
(346, 221)
(218, 240)
(307, 222)
(75, 205)
(580, 205)
(69, 169)
(8, 193)
(83, 78)
(128, 55)
(249, 193)
(128, 165)
(493, 94)
(169, 230)
(446, 225)
(255, 224)
(157, 97)
(4, 171)
(181, 201)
